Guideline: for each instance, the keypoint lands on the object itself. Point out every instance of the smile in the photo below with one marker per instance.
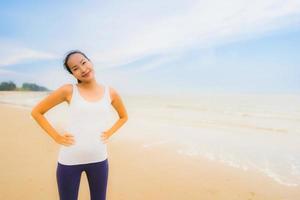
(86, 74)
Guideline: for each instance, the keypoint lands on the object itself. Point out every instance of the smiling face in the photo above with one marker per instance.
(81, 67)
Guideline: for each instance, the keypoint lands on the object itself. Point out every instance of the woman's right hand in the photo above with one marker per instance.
(65, 139)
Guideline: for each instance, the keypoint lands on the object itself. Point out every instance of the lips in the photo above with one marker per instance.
(86, 74)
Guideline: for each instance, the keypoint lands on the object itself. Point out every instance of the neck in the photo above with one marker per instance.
(89, 84)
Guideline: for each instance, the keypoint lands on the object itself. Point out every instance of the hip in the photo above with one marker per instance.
(82, 154)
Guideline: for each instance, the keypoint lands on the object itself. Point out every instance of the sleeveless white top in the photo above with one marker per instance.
(87, 120)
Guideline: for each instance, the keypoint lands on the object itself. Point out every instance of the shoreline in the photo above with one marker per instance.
(135, 172)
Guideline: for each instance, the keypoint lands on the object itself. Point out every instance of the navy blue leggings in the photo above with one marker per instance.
(68, 180)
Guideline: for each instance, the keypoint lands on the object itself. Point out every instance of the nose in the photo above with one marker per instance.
(83, 69)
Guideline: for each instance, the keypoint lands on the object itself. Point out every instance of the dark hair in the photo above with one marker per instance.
(67, 58)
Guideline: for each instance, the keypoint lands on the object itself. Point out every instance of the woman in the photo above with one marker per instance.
(83, 145)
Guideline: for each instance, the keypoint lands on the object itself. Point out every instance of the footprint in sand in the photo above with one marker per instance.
(213, 191)
(252, 195)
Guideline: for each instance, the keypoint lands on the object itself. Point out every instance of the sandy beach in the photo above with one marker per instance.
(28, 167)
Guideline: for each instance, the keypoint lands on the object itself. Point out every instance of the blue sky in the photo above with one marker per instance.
(156, 46)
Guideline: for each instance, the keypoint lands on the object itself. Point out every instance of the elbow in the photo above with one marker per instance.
(34, 113)
(125, 118)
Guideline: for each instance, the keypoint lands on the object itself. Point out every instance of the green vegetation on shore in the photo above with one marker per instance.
(11, 86)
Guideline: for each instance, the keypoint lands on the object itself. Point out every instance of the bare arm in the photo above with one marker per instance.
(54, 98)
(120, 108)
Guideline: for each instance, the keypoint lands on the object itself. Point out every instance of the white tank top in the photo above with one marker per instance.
(86, 122)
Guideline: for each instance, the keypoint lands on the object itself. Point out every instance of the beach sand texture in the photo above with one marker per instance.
(28, 165)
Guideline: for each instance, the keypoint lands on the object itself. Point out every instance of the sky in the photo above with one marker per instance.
(156, 47)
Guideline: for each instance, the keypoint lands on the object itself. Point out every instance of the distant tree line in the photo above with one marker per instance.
(11, 86)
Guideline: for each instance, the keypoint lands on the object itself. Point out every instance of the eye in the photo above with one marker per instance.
(83, 62)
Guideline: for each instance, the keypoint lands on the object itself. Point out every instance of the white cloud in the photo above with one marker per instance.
(12, 53)
(7, 72)
(205, 24)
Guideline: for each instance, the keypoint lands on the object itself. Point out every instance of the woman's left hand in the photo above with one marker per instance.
(104, 136)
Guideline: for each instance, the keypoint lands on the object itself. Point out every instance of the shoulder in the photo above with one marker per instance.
(66, 89)
(113, 93)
